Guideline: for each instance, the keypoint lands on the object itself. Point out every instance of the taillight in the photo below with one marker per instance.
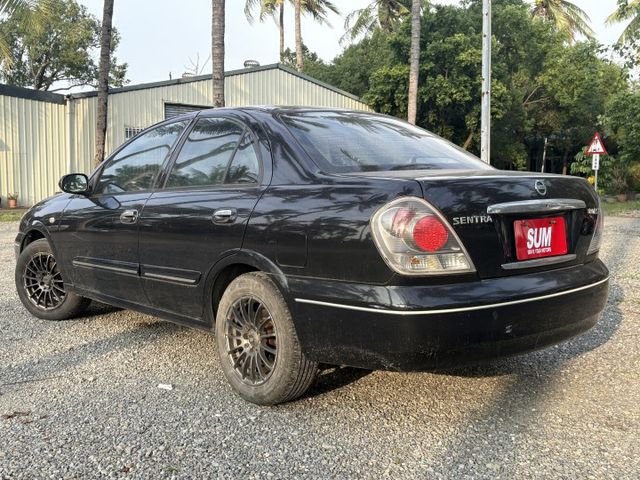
(415, 239)
(596, 240)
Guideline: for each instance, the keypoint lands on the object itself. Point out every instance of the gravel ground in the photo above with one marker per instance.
(80, 399)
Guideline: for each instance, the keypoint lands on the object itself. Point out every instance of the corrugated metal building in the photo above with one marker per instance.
(45, 135)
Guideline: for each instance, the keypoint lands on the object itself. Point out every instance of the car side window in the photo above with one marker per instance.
(135, 167)
(217, 151)
(244, 167)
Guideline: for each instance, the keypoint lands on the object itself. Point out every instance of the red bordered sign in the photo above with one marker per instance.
(596, 147)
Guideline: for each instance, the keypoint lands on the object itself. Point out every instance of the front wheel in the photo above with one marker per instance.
(257, 344)
(40, 285)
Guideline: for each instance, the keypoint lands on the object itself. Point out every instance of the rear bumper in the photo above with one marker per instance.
(435, 327)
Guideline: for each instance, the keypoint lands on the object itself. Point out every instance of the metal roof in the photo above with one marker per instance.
(28, 93)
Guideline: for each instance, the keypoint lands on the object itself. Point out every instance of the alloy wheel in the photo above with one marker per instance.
(251, 340)
(43, 282)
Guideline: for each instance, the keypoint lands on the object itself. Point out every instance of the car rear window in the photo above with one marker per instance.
(341, 142)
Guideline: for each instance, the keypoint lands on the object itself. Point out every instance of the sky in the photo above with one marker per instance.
(160, 38)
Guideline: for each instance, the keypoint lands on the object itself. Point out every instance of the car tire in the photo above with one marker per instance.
(40, 287)
(257, 343)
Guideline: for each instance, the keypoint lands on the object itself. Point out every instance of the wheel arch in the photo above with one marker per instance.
(34, 233)
(230, 268)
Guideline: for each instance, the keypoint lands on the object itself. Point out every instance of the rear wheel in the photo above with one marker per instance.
(257, 344)
(40, 285)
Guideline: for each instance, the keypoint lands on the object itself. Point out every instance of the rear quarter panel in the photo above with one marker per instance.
(321, 229)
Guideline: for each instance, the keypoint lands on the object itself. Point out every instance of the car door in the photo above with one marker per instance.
(98, 236)
(200, 215)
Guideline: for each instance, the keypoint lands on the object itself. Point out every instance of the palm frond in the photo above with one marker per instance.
(384, 14)
(625, 12)
(566, 16)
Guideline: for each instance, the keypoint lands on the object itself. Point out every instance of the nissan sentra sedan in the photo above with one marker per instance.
(304, 237)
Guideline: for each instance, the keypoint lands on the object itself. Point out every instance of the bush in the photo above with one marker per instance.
(634, 176)
(582, 167)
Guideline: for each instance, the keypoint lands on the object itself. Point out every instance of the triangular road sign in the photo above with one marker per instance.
(596, 146)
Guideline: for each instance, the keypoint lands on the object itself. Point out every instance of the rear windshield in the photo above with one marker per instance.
(341, 142)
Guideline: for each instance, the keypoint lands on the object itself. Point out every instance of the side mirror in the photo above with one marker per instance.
(75, 183)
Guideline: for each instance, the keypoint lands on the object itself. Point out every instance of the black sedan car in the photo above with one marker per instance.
(312, 236)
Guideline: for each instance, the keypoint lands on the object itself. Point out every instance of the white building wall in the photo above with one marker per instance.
(41, 141)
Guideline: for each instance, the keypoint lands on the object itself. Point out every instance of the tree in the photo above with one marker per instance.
(318, 9)
(627, 11)
(566, 16)
(103, 79)
(542, 86)
(217, 51)
(33, 11)
(268, 8)
(298, 34)
(57, 52)
(414, 67)
(379, 14)
(623, 124)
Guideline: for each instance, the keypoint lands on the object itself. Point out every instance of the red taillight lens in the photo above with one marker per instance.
(430, 234)
(415, 239)
(401, 221)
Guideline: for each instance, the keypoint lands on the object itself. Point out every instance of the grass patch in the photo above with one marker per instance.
(622, 209)
(11, 215)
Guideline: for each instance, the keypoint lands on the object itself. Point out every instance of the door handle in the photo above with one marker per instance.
(129, 216)
(224, 215)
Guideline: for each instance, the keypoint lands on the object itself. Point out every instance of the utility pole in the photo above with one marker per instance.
(544, 153)
(485, 120)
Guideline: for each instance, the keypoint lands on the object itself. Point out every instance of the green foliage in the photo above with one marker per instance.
(567, 17)
(542, 85)
(582, 167)
(352, 69)
(313, 64)
(623, 121)
(383, 15)
(634, 176)
(60, 47)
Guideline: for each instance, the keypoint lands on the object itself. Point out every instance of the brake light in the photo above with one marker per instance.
(430, 234)
(415, 239)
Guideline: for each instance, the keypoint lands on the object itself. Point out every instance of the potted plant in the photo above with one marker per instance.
(13, 200)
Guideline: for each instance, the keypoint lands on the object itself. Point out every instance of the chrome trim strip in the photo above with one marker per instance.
(482, 177)
(79, 263)
(539, 262)
(449, 310)
(532, 206)
(169, 278)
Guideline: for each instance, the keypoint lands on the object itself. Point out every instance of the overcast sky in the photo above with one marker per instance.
(160, 37)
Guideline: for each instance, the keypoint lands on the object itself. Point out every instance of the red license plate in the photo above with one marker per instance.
(540, 237)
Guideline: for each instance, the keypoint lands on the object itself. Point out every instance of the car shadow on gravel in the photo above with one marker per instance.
(333, 378)
(535, 378)
(57, 364)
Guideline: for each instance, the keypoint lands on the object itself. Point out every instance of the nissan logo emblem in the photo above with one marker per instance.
(540, 187)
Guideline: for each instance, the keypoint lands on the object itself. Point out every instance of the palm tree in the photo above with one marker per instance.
(217, 51)
(298, 30)
(35, 11)
(627, 11)
(566, 16)
(268, 8)
(103, 79)
(383, 14)
(415, 61)
(318, 9)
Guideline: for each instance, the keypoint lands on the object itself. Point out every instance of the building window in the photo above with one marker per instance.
(175, 109)
(130, 132)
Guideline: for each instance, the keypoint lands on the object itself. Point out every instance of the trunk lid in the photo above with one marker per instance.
(474, 204)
